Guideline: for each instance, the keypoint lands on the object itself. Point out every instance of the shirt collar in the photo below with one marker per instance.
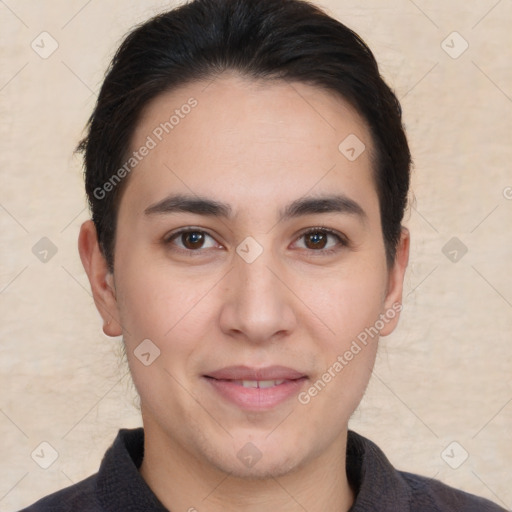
(120, 485)
(377, 485)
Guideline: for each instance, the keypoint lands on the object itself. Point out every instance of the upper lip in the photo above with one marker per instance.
(247, 373)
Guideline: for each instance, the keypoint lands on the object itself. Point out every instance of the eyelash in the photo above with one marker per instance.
(342, 240)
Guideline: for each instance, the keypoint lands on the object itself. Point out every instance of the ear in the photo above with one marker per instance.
(393, 300)
(100, 278)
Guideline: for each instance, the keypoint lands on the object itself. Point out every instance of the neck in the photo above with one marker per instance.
(183, 482)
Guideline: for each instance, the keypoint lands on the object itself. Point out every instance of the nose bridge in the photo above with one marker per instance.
(253, 261)
(259, 281)
(259, 289)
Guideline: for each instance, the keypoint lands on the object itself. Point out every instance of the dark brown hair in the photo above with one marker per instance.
(264, 39)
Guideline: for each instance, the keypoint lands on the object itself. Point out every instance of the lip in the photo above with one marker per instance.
(227, 383)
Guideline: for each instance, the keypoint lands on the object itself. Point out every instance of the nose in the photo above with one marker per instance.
(258, 303)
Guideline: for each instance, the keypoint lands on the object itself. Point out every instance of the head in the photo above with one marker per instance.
(247, 172)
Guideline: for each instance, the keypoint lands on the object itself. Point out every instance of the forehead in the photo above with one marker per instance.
(234, 135)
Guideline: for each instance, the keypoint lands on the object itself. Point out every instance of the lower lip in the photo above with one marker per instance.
(256, 399)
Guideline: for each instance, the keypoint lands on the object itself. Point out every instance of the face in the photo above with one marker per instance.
(249, 252)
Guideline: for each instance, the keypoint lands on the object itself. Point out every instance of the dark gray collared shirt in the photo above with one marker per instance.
(119, 487)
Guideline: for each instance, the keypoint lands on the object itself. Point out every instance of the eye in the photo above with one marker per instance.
(190, 239)
(321, 240)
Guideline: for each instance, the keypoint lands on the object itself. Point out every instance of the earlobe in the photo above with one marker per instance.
(393, 301)
(100, 278)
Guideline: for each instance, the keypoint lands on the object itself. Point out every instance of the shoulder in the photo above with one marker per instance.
(433, 495)
(382, 487)
(80, 496)
(114, 487)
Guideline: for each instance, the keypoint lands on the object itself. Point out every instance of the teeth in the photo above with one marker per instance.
(250, 383)
(270, 383)
(259, 383)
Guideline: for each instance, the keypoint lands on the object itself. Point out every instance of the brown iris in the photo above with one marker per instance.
(316, 240)
(193, 239)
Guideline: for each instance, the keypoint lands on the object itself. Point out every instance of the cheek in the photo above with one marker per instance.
(158, 304)
(349, 306)
(346, 302)
(175, 315)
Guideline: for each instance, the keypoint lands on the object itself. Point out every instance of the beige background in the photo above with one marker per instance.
(444, 376)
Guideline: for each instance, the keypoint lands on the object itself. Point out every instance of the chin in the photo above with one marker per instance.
(256, 459)
(275, 466)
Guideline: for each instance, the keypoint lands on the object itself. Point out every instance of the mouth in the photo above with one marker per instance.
(256, 389)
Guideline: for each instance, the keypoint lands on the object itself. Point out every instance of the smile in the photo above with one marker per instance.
(255, 389)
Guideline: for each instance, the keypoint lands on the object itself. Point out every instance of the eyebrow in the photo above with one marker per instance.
(338, 203)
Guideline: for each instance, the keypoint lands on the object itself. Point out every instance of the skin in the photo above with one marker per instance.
(256, 146)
